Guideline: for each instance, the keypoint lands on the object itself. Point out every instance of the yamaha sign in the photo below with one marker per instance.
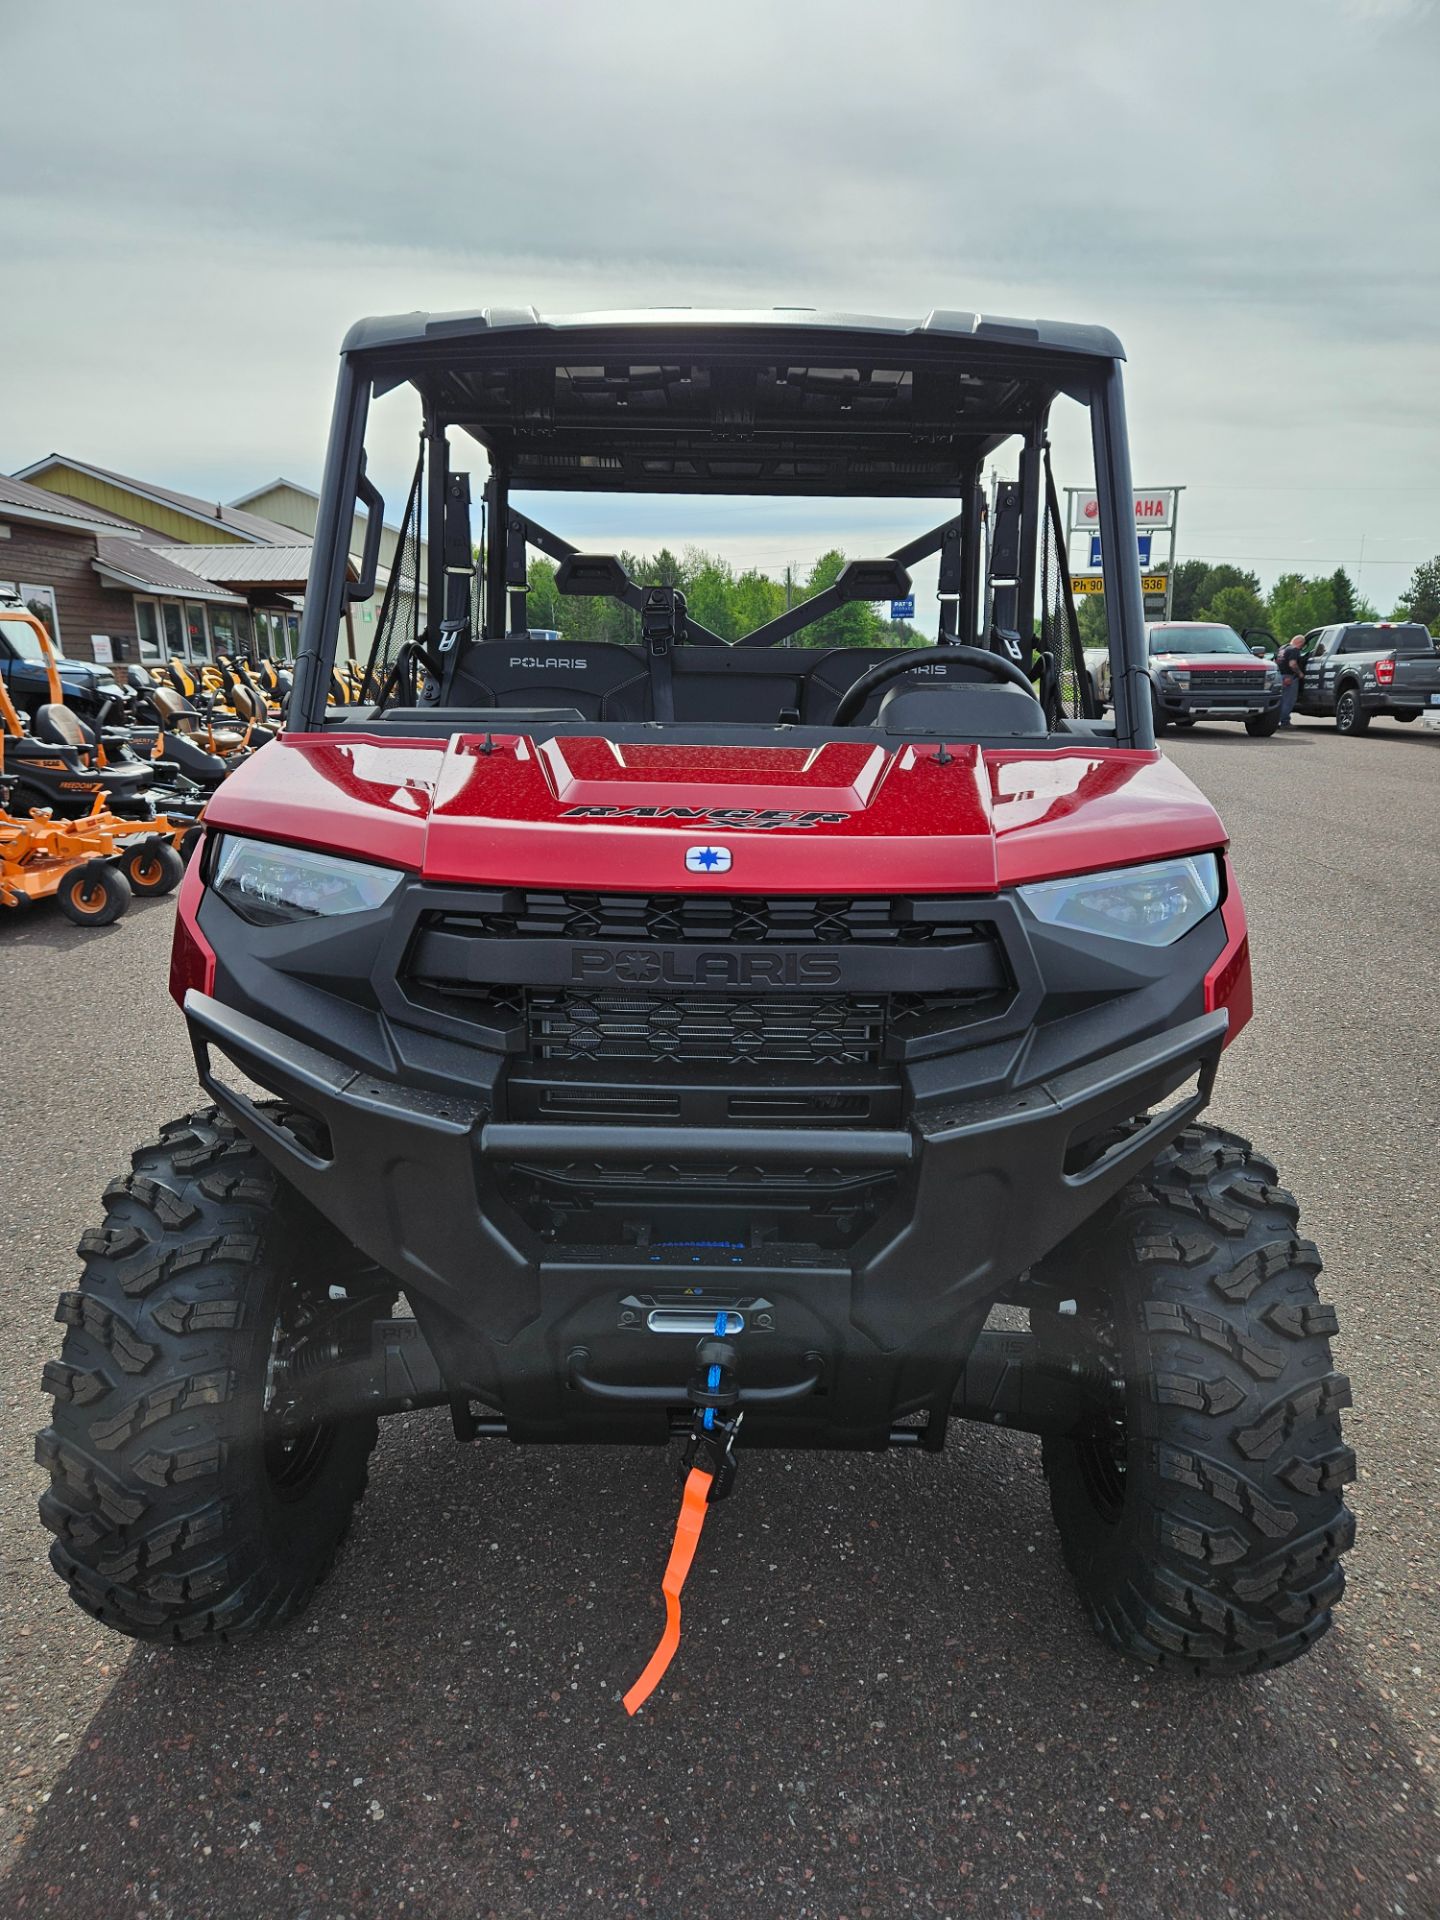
(1154, 509)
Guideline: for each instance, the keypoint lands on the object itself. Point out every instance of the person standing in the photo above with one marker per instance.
(1291, 662)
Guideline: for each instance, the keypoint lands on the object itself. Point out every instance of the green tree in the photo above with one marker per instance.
(1342, 595)
(1421, 599)
(1235, 606)
(1090, 612)
(755, 598)
(1195, 584)
(1297, 604)
(710, 593)
(543, 602)
(856, 623)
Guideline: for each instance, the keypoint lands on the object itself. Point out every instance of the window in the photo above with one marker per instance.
(1201, 638)
(41, 602)
(174, 629)
(222, 629)
(195, 631)
(23, 639)
(147, 625)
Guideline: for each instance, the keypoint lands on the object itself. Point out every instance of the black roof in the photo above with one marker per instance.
(784, 400)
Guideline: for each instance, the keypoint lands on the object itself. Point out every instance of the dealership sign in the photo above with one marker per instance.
(1152, 585)
(1154, 507)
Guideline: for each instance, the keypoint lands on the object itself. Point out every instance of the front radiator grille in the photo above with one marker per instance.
(822, 1030)
(718, 919)
(1225, 680)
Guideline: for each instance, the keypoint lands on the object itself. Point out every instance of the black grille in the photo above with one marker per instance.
(822, 1030)
(717, 919)
(1226, 680)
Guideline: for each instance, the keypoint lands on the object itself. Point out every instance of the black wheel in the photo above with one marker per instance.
(153, 866)
(1405, 718)
(1161, 723)
(1182, 723)
(94, 894)
(180, 1510)
(25, 800)
(1202, 1519)
(1350, 715)
(1262, 725)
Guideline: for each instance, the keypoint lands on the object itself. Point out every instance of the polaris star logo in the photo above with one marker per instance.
(707, 859)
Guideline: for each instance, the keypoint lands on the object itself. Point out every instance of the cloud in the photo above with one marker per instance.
(1249, 195)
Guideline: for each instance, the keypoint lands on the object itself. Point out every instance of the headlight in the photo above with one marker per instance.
(1175, 676)
(267, 884)
(1150, 905)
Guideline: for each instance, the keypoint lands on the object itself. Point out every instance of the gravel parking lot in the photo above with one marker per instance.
(887, 1702)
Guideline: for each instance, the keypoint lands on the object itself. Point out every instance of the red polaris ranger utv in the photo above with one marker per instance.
(703, 1034)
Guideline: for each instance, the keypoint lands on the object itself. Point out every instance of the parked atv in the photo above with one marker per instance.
(699, 1034)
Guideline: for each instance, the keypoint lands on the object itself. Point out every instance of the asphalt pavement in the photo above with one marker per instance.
(887, 1702)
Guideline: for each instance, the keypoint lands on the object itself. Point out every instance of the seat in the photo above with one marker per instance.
(969, 710)
(601, 680)
(179, 720)
(194, 761)
(61, 727)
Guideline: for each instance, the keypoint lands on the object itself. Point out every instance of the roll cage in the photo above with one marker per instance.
(776, 403)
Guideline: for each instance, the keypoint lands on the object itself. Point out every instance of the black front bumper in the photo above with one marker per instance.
(838, 1345)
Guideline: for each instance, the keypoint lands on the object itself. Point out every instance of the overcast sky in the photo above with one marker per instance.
(196, 200)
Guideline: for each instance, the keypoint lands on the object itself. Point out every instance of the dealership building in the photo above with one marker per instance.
(133, 570)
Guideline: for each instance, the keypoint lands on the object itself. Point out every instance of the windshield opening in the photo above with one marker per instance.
(23, 637)
(1198, 639)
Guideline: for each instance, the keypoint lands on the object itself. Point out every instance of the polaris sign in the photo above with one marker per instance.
(1154, 508)
(1142, 540)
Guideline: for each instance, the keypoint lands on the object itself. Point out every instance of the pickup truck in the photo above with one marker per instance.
(1367, 667)
(87, 687)
(1200, 670)
(1203, 670)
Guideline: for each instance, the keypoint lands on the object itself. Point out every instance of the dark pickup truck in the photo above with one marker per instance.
(1368, 667)
(86, 686)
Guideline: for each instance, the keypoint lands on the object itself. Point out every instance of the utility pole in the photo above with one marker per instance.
(788, 587)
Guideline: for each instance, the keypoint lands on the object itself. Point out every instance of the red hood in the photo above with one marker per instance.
(847, 817)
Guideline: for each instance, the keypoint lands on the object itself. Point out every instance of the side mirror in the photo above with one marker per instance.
(1261, 653)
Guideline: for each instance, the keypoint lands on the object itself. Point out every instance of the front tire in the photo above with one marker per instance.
(94, 894)
(179, 1512)
(1350, 715)
(1203, 1521)
(1262, 725)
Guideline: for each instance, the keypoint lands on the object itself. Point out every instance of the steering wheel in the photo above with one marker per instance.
(855, 696)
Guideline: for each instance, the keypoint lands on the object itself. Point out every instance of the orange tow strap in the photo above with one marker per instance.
(687, 1538)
